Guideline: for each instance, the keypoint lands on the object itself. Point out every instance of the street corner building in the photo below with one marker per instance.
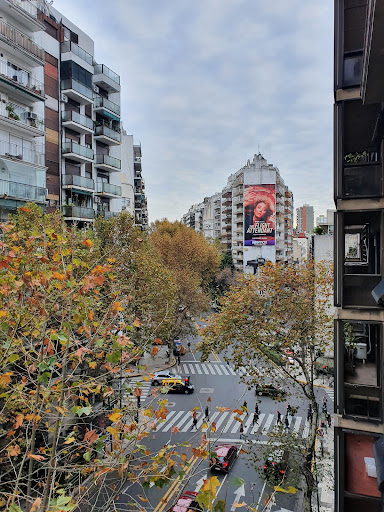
(359, 284)
(62, 143)
(252, 216)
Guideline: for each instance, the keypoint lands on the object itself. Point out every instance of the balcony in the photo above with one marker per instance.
(357, 291)
(72, 212)
(23, 153)
(107, 108)
(77, 91)
(71, 47)
(20, 119)
(106, 214)
(137, 150)
(107, 189)
(77, 152)
(22, 191)
(21, 83)
(21, 42)
(108, 79)
(107, 163)
(77, 122)
(79, 182)
(107, 135)
(362, 178)
(26, 12)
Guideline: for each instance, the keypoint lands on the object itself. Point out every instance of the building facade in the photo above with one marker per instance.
(326, 222)
(359, 200)
(304, 219)
(233, 216)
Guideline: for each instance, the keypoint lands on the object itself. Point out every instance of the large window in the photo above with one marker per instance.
(71, 70)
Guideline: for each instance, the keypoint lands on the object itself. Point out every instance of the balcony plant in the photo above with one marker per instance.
(355, 158)
(11, 112)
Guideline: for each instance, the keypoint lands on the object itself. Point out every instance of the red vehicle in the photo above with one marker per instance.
(224, 457)
(186, 502)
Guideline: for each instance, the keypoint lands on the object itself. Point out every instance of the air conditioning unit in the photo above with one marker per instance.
(64, 98)
(95, 89)
(31, 115)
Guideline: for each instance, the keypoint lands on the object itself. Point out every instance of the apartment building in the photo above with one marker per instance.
(231, 216)
(359, 200)
(305, 219)
(22, 97)
(326, 222)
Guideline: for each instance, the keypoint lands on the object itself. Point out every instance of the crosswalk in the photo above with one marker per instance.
(331, 393)
(145, 388)
(226, 423)
(192, 368)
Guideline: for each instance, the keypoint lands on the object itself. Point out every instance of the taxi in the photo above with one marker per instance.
(177, 385)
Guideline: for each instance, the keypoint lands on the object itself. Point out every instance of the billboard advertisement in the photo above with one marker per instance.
(259, 215)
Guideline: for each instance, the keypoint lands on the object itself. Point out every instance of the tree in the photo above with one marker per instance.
(282, 308)
(318, 230)
(192, 261)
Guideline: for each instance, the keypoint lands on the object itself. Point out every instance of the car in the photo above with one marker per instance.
(223, 457)
(177, 385)
(186, 502)
(270, 390)
(158, 377)
(276, 465)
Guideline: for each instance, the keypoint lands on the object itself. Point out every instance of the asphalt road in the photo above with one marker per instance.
(216, 385)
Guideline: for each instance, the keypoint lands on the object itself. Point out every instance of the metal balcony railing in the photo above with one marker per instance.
(20, 114)
(22, 40)
(70, 46)
(78, 181)
(25, 152)
(14, 189)
(71, 115)
(22, 78)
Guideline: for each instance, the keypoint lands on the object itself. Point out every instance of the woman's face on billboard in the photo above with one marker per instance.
(260, 210)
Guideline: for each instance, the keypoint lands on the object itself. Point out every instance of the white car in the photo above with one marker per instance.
(164, 374)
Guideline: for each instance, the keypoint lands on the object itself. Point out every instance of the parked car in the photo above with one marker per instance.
(186, 502)
(177, 385)
(270, 390)
(164, 374)
(276, 465)
(223, 458)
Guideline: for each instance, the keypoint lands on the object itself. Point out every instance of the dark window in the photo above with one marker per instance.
(51, 30)
(352, 70)
(51, 60)
(72, 168)
(70, 69)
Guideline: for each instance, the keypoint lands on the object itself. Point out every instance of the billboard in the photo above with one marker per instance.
(259, 214)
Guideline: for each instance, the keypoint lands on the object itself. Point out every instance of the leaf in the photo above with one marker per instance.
(175, 430)
(223, 409)
(220, 506)
(158, 341)
(213, 427)
(238, 505)
(238, 482)
(58, 276)
(155, 351)
(183, 457)
(14, 450)
(92, 365)
(69, 441)
(137, 323)
(35, 505)
(209, 399)
(18, 421)
(87, 456)
(87, 242)
(36, 457)
(142, 498)
(5, 378)
(115, 416)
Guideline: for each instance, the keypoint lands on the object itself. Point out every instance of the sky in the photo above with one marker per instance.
(206, 84)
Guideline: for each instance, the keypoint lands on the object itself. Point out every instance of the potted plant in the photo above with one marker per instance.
(11, 112)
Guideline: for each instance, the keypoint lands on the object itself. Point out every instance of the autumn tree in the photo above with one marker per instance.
(282, 308)
(192, 261)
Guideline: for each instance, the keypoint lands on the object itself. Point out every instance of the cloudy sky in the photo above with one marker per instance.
(208, 83)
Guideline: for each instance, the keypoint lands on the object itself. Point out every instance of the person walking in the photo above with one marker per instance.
(241, 431)
(245, 405)
(178, 359)
(289, 410)
(194, 423)
(255, 418)
(257, 411)
(189, 346)
(329, 419)
(278, 417)
(309, 414)
(286, 421)
(206, 413)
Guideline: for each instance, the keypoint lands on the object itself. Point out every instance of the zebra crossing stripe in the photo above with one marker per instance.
(229, 422)
(211, 369)
(192, 369)
(205, 370)
(198, 369)
(221, 419)
(258, 424)
(249, 422)
(306, 430)
(297, 424)
(171, 423)
(160, 421)
(237, 425)
(232, 371)
(188, 425)
(224, 370)
(214, 415)
(217, 368)
(184, 368)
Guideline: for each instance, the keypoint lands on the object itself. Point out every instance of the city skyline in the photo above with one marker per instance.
(204, 95)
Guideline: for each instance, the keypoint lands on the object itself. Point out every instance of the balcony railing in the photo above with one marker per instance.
(108, 160)
(106, 103)
(78, 212)
(22, 152)
(108, 188)
(106, 214)
(70, 46)
(107, 132)
(362, 180)
(77, 149)
(19, 114)
(78, 181)
(103, 69)
(22, 40)
(22, 78)
(27, 6)
(357, 290)
(78, 87)
(22, 191)
(71, 115)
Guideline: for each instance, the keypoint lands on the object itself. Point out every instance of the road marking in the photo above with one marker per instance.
(228, 424)
(224, 370)
(258, 424)
(267, 424)
(198, 369)
(261, 495)
(192, 369)
(169, 416)
(217, 368)
(221, 419)
(214, 415)
(232, 371)
(297, 424)
(171, 423)
(249, 422)
(205, 370)
(306, 429)
(189, 423)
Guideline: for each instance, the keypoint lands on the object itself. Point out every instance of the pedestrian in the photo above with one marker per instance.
(178, 359)
(325, 408)
(286, 421)
(278, 417)
(289, 410)
(241, 431)
(329, 419)
(194, 423)
(138, 401)
(255, 418)
(189, 346)
(325, 400)
(257, 411)
(206, 412)
(245, 405)
(194, 414)
(331, 381)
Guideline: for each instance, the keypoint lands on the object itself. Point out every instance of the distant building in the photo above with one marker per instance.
(326, 222)
(252, 216)
(301, 248)
(305, 219)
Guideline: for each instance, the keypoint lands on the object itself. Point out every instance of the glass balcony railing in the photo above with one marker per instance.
(21, 78)
(78, 87)
(78, 212)
(77, 149)
(27, 6)
(21, 40)
(106, 214)
(101, 102)
(103, 69)
(78, 181)
(25, 152)
(71, 115)
(108, 160)
(69, 46)
(107, 132)
(108, 188)
(15, 190)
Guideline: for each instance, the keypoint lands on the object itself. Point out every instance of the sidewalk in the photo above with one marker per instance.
(325, 467)
(154, 363)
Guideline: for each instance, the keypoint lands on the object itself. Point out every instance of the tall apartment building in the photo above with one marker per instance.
(64, 94)
(359, 223)
(305, 219)
(22, 97)
(233, 216)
